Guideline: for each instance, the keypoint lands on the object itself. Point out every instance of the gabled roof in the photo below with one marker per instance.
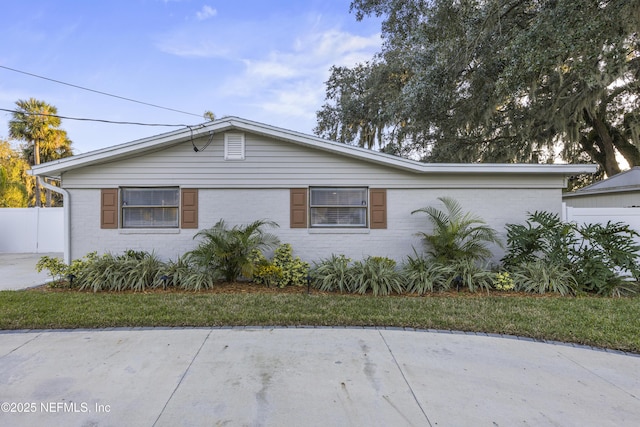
(154, 143)
(624, 181)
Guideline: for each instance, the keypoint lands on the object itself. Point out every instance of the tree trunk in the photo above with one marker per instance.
(609, 162)
(628, 150)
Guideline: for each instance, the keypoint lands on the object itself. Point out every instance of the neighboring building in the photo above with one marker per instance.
(155, 194)
(619, 191)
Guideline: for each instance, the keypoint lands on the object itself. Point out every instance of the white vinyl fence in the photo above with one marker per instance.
(630, 216)
(31, 230)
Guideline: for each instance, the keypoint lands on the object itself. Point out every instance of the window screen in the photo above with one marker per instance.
(150, 207)
(338, 207)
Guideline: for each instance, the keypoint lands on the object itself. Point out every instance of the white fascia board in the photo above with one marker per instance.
(407, 164)
(609, 190)
(55, 168)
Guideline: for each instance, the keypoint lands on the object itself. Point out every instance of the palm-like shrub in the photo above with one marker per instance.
(457, 235)
(228, 250)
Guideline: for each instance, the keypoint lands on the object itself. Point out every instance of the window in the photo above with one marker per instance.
(150, 207)
(338, 207)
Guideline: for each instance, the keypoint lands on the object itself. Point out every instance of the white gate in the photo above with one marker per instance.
(31, 230)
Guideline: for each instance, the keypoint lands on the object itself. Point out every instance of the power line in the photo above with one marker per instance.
(99, 92)
(93, 120)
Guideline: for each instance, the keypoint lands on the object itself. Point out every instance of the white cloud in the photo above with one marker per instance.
(276, 71)
(206, 13)
(203, 49)
(291, 82)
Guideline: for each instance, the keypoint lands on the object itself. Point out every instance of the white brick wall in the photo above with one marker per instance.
(240, 206)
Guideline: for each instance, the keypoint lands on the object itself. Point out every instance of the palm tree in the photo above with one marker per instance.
(37, 123)
(456, 235)
(228, 250)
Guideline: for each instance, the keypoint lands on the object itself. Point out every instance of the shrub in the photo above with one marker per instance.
(294, 271)
(131, 271)
(199, 278)
(376, 274)
(144, 271)
(504, 282)
(268, 274)
(58, 270)
(175, 273)
(332, 274)
(466, 273)
(541, 276)
(457, 235)
(544, 236)
(422, 275)
(105, 272)
(601, 257)
(229, 249)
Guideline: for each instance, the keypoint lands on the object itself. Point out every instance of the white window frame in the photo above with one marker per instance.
(124, 207)
(315, 209)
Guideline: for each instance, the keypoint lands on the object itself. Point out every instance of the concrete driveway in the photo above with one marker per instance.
(308, 377)
(18, 271)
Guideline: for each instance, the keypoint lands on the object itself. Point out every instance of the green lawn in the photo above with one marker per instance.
(602, 322)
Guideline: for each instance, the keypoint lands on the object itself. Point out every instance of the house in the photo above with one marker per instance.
(328, 198)
(620, 191)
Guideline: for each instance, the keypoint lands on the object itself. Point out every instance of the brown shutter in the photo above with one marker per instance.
(298, 208)
(109, 208)
(378, 206)
(189, 206)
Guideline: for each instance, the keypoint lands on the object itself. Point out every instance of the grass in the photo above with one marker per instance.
(601, 322)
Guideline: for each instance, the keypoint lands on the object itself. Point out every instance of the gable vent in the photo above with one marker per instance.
(234, 146)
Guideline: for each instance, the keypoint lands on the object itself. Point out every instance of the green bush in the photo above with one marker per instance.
(283, 270)
(457, 235)
(134, 270)
(294, 271)
(175, 273)
(544, 236)
(332, 274)
(423, 275)
(376, 274)
(541, 276)
(602, 258)
(199, 278)
(58, 270)
(229, 250)
(144, 271)
(504, 282)
(468, 274)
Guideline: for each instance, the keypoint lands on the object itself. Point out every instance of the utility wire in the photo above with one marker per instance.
(93, 120)
(99, 92)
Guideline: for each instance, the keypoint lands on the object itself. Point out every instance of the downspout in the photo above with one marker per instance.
(66, 205)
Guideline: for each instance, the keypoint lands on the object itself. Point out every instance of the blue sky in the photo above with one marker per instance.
(264, 60)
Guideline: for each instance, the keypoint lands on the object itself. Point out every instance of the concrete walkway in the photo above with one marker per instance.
(308, 377)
